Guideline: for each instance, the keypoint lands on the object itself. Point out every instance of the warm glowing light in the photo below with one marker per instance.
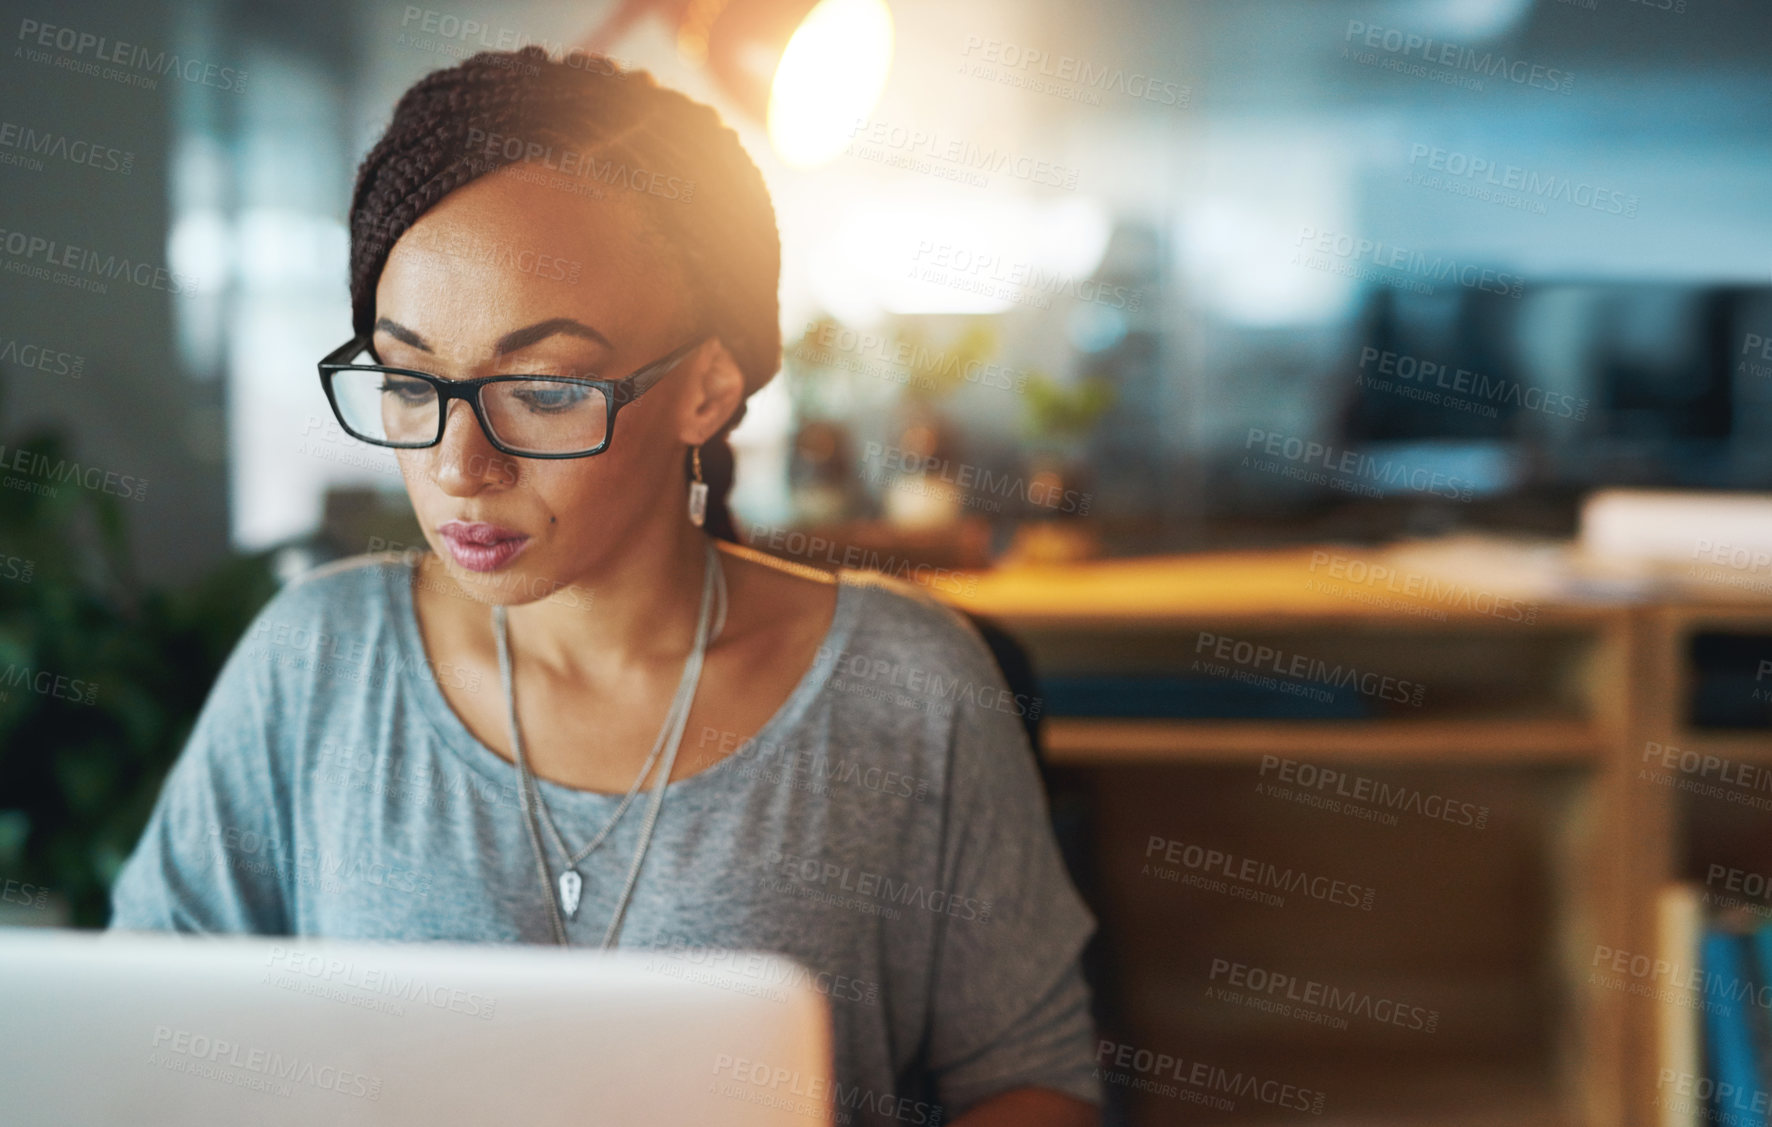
(937, 248)
(830, 75)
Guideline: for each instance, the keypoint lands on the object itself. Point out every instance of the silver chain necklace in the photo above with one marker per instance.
(571, 883)
(676, 719)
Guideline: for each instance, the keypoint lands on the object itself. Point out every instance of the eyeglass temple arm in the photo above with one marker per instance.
(642, 381)
(346, 350)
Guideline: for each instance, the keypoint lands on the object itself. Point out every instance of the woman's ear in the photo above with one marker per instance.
(714, 393)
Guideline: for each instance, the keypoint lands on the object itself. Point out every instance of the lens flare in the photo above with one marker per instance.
(831, 74)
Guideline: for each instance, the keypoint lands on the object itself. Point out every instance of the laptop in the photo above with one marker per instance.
(109, 1028)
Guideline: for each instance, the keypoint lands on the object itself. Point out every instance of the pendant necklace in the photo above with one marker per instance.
(570, 884)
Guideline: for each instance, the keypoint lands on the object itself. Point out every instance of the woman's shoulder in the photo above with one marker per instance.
(344, 603)
(340, 590)
(912, 658)
(904, 633)
(908, 613)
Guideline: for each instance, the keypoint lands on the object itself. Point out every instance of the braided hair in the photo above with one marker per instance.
(616, 131)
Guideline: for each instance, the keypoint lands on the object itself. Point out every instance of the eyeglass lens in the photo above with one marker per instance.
(534, 414)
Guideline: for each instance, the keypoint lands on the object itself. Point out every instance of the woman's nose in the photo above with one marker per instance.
(465, 461)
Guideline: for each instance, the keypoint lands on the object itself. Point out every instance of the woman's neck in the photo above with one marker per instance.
(633, 608)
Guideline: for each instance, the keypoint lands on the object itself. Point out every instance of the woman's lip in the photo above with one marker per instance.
(478, 532)
(481, 545)
(476, 556)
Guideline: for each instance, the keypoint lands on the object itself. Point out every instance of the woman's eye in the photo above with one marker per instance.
(551, 398)
(406, 389)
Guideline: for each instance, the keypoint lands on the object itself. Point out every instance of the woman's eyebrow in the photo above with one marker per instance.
(523, 338)
(401, 333)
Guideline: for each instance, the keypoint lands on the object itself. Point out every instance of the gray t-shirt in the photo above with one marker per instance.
(886, 828)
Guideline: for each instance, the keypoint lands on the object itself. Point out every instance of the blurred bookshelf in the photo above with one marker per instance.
(1540, 699)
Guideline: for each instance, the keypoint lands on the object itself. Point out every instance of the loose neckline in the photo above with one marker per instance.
(415, 668)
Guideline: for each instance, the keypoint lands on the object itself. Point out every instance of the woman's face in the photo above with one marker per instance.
(512, 275)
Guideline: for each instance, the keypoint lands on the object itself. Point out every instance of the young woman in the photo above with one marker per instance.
(457, 744)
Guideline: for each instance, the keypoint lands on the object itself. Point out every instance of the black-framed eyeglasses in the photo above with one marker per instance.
(525, 416)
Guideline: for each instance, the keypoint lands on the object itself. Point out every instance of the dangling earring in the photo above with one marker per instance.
(698, 493)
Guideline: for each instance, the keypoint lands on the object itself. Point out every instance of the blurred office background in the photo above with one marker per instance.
(1086, 282)
(1166, 235)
